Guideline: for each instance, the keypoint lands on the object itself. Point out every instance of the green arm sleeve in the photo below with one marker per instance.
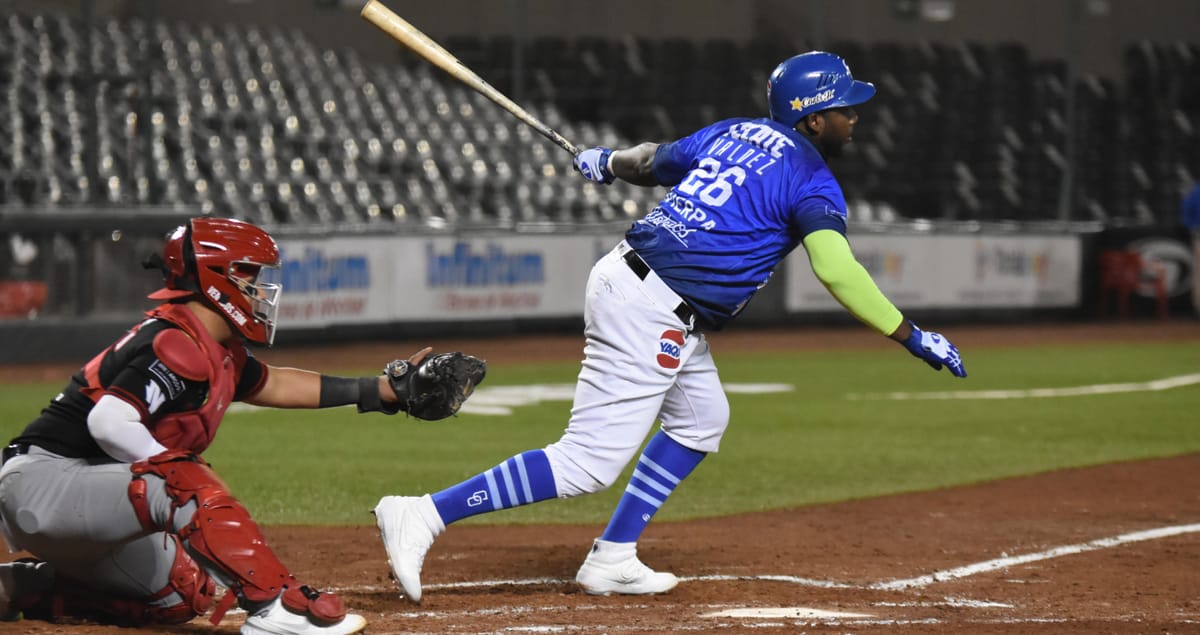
(835, 266)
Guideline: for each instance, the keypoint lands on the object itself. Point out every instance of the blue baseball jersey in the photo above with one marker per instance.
(745, 193)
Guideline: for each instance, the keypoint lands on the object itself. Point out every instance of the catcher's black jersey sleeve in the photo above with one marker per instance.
(130, 370)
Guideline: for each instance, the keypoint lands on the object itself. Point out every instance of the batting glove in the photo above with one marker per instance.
(935, 349)
(593, 165)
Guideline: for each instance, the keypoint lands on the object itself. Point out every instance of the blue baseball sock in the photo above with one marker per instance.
(523, 479)
(663, 465)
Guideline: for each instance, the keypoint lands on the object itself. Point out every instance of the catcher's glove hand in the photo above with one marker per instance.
(437, 386)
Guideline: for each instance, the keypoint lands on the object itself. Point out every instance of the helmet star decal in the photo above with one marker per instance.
(797, 104)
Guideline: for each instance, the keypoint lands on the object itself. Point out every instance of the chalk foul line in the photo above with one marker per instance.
(499, 401)
(1155, 385)
(1004, 563)
(888, 585)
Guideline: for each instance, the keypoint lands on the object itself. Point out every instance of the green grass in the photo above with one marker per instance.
(807, 446)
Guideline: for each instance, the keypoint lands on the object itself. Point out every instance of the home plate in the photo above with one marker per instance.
(798, 612)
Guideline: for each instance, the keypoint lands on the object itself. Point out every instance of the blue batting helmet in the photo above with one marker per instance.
(811, 82)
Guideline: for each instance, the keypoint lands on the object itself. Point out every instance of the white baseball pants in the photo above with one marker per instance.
(641, 364)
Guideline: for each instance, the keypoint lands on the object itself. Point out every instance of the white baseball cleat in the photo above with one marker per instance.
(613, 567)
(408, 525)
(276, 619)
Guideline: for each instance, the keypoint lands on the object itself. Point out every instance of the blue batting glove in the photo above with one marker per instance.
(593, 165)
(935, 349)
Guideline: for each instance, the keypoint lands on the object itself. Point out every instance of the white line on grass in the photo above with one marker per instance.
(499, 401)
(1165, 383)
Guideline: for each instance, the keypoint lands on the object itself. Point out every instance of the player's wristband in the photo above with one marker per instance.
(343, 391)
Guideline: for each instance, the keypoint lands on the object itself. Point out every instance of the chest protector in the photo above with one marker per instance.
(192, 430)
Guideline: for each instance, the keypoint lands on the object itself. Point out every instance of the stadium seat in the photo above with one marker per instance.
(284, 110)
(1125, 272)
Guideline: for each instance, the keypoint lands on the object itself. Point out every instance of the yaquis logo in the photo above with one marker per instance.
(670, 345)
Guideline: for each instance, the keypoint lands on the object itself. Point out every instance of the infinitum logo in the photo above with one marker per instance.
(493, 266)
(315, 270)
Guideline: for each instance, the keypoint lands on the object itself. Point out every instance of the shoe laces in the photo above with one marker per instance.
(632, 569)
(415, 534)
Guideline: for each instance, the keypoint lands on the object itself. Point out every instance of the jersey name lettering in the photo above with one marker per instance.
(770, 140)
(128, 336)
(736, 153)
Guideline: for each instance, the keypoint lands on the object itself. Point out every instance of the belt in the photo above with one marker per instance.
(642, 270)
(14, 449)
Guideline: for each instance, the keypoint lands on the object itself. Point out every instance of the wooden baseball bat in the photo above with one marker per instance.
(412, 37)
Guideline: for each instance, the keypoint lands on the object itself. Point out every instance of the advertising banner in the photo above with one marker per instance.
(953, 272)
(355, 280)
(351, 280)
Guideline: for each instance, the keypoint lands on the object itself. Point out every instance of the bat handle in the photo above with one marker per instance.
(565, 145)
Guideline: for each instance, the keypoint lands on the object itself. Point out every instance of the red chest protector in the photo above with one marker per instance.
(193, 430)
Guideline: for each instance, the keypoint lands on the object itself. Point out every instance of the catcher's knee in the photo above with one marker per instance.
(188, 594)
(220, 530)
(186, 480)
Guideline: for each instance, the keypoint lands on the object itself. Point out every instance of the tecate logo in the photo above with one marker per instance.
(670, 343)
(818, 98)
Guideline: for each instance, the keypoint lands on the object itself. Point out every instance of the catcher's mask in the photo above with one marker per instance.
(812, 82)
(220, 260)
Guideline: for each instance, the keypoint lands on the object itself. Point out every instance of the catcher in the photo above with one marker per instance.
(106, 488)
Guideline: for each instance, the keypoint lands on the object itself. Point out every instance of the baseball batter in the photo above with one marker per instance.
(106, 488)
(744, 193)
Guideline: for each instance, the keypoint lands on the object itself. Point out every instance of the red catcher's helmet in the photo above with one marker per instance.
(220, 259)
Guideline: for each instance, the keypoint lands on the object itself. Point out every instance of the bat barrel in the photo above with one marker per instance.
(412, 37)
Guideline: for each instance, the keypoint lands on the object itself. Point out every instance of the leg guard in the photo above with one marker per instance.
(221, 530)
(222, 534)
(193, 586)
(188, 581)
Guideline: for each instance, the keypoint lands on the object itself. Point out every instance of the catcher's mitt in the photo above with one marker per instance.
(437, 387)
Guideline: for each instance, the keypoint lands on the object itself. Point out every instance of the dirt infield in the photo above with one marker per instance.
(1108, 549)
